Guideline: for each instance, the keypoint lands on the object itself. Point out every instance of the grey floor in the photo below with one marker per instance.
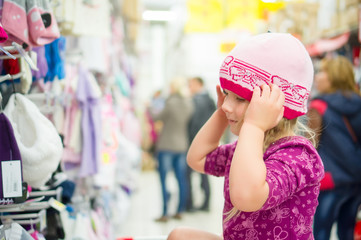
(145, 206)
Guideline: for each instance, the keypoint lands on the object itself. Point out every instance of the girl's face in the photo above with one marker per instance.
(235, 107)
(322, 83)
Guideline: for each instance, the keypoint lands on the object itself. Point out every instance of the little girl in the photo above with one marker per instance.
(272, 172)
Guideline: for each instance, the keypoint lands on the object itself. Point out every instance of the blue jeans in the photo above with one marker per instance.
(177, 161)
(338, 205)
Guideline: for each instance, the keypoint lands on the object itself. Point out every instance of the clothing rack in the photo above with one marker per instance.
(34, 203)
(57, 193)
(27, 206)
(25, 218)
(34, 209)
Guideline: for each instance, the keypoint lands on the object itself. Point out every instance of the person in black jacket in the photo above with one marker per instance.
(204, 106)
(335, 114)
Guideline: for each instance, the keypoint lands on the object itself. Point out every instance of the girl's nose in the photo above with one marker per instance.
(227, 106)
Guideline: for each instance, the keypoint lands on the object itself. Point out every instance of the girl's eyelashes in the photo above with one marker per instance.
(234, 96)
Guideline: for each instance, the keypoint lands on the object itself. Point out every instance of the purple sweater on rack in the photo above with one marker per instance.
(9, 149)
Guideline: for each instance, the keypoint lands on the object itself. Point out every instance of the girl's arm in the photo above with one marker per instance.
(247, 181)
(208, 137)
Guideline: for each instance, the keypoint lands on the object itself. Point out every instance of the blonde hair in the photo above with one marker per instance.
(340, 73)
(284, 128)
(178, 86)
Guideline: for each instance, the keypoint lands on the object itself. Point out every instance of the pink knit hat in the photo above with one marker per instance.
(266, 58)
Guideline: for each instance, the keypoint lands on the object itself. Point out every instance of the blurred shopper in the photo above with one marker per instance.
(172, 144)
(204, 107)
(336, 116)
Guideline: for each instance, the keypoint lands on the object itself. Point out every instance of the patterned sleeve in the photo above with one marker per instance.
(216, 161)
(290, 170)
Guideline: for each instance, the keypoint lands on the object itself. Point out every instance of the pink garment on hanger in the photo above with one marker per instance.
(109, 144)
(102, 224)
(14, 21)
(98, 225)
(130, 127)
(69, 155)
(30, 22)
(43, 28)
(110, 127)
(106, 226)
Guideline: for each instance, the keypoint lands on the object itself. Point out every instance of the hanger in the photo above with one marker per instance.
(5, 77)
(20, 216)
(57, 193)
(7, 53)
(32, 205)
(21, 53)
(29, 221)
(21, 207)
(44, 101)
(12, 77)
(42, 96)
(25, 55)
(18, 75)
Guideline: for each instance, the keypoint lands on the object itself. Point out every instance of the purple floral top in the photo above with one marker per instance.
(294, 172)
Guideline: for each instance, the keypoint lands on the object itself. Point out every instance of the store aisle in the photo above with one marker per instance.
(146, 206)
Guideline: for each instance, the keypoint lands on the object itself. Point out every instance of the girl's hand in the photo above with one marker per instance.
(220, 97)
(266, 107)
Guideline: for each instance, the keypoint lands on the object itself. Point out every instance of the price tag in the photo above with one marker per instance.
(11, 177)
(56, 204)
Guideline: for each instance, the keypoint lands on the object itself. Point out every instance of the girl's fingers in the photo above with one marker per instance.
(218, 89)
(257, 91)
(278, 95)
(266, 90)
(281, 98)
